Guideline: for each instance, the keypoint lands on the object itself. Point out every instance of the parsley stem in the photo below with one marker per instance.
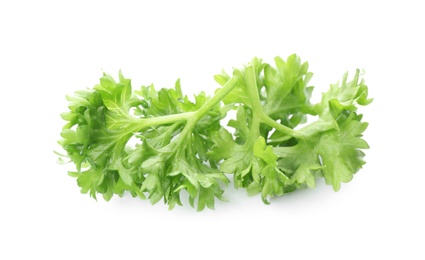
(279, 127)
(251, 83)
(142, 123)
(168, 119)
(257, 110)
(198, 114)
(216, 98)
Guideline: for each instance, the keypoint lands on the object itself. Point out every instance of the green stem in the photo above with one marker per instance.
(194, 117)
(257, 110)
(141, 123)
(198, 114)
(279, 127)
(216, 98)
(138, 124)
(162, 120)
(251, 82)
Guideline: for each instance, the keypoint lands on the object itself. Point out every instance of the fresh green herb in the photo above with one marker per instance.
(181, 145)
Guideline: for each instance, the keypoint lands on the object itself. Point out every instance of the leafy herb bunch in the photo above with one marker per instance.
(183, 146)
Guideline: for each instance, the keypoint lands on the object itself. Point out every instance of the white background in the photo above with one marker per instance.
(51, 49)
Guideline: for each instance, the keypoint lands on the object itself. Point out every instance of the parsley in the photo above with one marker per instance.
(183, 145)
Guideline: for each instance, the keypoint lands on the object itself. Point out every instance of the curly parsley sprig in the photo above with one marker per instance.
(182, 145)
